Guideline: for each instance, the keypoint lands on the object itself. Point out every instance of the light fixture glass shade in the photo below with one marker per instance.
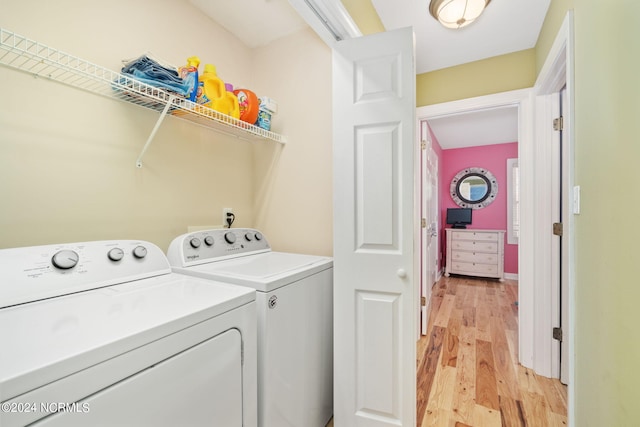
(457, 13)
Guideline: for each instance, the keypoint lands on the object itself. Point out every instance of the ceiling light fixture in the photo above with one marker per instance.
(457, 13)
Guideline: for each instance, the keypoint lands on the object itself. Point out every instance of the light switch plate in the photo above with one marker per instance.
(576, 200)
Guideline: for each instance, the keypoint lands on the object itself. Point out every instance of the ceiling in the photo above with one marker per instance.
(506, 26)
(255, 22)
(482, 127)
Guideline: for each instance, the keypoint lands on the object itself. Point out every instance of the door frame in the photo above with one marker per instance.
(556, 73)
(523, 100)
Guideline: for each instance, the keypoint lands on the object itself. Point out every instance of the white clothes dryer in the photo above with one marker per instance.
(103, 334)
(294, 302)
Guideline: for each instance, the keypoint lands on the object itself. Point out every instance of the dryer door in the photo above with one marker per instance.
(199, 386)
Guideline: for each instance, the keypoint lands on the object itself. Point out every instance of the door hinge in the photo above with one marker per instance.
(558, 123)
(557, 334)
(557, 228)
(423, 301)
(423, 145)
(423, 223)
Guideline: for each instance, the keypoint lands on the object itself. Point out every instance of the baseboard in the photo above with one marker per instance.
(511, 276)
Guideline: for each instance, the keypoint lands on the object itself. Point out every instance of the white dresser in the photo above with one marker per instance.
(475, 252)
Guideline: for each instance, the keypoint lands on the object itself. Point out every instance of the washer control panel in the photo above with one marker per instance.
(214, 245)
(32, 273)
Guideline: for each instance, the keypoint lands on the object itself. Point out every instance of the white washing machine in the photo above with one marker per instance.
(295, 318)
(104, 334)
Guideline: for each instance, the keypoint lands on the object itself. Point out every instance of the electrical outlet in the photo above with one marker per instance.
(225, 211)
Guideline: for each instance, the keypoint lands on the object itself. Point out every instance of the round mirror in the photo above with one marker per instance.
(474, 188)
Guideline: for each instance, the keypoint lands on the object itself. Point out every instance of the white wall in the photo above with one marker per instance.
(294, 183)
(67, 158)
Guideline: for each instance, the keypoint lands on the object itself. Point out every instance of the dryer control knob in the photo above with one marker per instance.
(194, 242)
(65, 259)
(115, 254)
(140, 252)
(230, 237)
(208, 241)
(248, 237)
(258, 235)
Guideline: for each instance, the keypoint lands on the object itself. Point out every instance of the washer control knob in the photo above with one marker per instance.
(208, 241)
(248, 237)
(194, 242)
(258, 235)
(65, 259)
(230, 237)
(115, 254)
(140, 252)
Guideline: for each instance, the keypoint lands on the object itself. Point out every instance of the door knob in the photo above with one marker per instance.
(402, 273)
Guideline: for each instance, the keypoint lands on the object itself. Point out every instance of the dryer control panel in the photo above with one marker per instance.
(215, 245)
(37, 272)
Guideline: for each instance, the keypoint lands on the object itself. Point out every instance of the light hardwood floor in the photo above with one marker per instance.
(468, 374)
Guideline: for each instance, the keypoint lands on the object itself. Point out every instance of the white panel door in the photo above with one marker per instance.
(425, 252)
(429, 215)
(375, 273)
(432, 219)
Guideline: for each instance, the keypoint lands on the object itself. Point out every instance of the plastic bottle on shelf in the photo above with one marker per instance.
(248, 104)
(190, 72)
(211, 89)
(232, 99)
(267, 107)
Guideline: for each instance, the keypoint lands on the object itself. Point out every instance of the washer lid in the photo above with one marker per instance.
(47, 340)
(264, 272)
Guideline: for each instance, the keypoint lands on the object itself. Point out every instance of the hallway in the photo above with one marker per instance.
(468, 373)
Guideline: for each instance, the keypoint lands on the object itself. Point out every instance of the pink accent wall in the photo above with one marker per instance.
(493, 158)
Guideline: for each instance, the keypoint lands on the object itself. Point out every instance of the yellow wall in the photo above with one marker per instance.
(553, 21)
(364, 15)
(607, 153)
(67, 158)
(493, 75)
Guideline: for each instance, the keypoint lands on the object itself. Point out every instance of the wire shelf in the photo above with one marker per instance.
(30, 56)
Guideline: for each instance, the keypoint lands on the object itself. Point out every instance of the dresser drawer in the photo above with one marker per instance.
(475, 253)
(474, 268)
(468, 245)
(474, 235)
(478, 257)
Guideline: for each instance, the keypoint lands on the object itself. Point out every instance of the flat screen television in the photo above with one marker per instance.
(459, 217)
